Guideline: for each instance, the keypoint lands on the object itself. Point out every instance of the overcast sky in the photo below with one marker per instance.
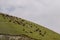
(43, 12)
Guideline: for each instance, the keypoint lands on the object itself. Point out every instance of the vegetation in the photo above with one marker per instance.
(17, 26)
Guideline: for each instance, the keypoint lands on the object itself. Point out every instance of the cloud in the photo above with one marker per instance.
(7, 9)
(44, 12)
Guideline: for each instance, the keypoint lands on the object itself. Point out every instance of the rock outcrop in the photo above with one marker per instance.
(15, 37)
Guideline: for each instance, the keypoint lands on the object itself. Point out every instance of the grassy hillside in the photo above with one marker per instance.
(17, 26)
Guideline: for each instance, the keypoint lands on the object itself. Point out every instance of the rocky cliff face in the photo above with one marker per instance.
(15, 37)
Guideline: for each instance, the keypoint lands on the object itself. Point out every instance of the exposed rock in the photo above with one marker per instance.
(15, 37)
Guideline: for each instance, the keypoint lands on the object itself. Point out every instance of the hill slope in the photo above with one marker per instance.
(17, 26)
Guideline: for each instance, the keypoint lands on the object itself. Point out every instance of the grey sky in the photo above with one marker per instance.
(43, 12)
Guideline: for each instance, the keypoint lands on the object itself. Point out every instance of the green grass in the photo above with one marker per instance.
(17, 26)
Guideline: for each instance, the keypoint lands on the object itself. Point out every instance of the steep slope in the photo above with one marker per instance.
(16, 26)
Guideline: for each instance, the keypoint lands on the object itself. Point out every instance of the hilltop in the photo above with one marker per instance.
(17, 26)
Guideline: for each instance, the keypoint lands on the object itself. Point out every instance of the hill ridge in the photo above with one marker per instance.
(15, 26)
